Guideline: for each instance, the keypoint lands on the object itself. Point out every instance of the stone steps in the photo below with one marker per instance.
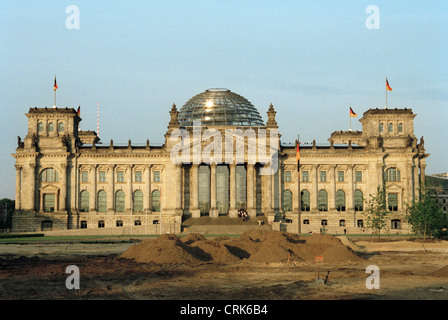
(223, 225)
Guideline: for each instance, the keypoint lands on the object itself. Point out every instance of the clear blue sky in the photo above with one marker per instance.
(137, 58)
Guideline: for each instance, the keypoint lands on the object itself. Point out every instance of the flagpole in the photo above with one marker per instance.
(386, 92)
(350, 116)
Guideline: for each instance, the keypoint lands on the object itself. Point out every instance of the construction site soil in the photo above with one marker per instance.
(258, 265)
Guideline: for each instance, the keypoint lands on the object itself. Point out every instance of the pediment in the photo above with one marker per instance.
(49, 189)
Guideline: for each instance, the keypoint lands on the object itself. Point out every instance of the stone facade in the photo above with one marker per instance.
(66, 181)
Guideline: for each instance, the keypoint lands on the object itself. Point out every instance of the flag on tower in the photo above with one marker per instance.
(298, 156)
(388, 88)
(78, 112)
(352, 113)
(55, 84)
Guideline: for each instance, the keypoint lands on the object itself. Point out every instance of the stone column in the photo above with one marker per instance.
(351, 187)
(148, 188)
(332, 189)
(195, 212)
(129, 202)
(179, 186)
(251, 211)
(314, 188)
(63, 190)
(18, 199)
(213, 209)
(232, 210)
(32, 186)
(93, 187)
(296, 191)
(111, 193)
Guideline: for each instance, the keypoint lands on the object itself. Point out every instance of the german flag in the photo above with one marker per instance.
(298, 156)
(79, 111)
(55, 84)
(388, 88)
(352, 113)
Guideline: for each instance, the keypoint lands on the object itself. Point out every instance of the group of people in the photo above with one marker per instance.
(243, 215)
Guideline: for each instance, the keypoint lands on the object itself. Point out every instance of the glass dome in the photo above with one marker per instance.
(219, 107)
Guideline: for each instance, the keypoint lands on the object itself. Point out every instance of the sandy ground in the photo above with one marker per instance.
(407, 270)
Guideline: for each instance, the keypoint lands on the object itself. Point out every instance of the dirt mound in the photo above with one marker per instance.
(256, 246)
(166, 249)
(193, 237)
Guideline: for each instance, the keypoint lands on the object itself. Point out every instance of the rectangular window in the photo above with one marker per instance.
(287, 176)
(392, 201)
(323, 176)
(85, 176)
(102, 176)
(156, 176)
(340, 176)
(305, 176)
(358, 176)
(138, 176)
(120, 176)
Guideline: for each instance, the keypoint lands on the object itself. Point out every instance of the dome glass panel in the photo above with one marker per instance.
(219, 107)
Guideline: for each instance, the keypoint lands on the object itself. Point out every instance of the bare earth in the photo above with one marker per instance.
(255, 266)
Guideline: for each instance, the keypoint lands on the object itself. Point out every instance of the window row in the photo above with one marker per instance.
(395, 223)
(391, 174)
(322, 201)
(50, 127)
(119, 201)
(390, 127)
(323, 176)
(120, 176)
(118, 223)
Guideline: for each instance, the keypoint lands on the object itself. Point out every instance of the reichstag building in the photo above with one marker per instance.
(218, 157)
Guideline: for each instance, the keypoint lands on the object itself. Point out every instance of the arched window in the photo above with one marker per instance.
(102, 201)
(49, 175)
(101, 224)
(400, 127)
(340, 200)
(381, 127)
(84, 201)
(119, 201)
(61, 127)
(51, 127)
(156, 201)
(40, 127)
(358, 200)
(392, 174)
(391, 127)
(322, 200)
(305, 200)
(287, 200)
(138, 201)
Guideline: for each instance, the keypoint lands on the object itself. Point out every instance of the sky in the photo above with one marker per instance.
(310, 59)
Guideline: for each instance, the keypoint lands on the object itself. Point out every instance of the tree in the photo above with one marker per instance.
(7, 208)
(425, 215)
(376, 211)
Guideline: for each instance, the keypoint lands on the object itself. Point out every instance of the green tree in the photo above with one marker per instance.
(425, 215)
(7, 207)
(376, 211)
